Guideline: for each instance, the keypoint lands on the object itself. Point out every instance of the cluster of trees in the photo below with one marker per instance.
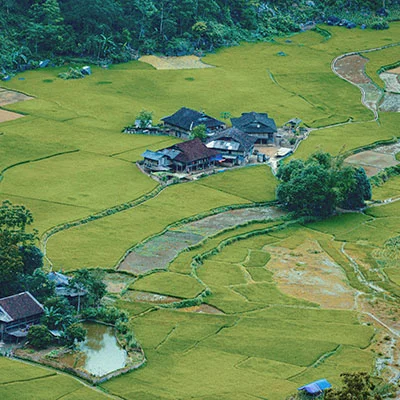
(319, 185)
(21, 265)
(118, 29)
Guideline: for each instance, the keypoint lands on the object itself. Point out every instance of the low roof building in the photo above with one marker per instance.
(233, 144)
(185, 119)
(17, 313)
(258, 125)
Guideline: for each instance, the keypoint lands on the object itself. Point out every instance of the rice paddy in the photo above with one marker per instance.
(265, 307)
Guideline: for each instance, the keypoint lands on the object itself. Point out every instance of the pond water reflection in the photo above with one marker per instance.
(100, 353)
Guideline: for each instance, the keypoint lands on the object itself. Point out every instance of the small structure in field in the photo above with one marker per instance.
(315, 388)
(63, 289)
(189, 156)
(235, 146)
(283, 152)
(257, 125)
(184, 120)
(17, 314)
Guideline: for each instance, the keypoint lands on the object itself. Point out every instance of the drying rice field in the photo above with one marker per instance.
(229, 306)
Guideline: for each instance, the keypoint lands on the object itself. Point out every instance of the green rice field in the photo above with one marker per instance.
(262, 308)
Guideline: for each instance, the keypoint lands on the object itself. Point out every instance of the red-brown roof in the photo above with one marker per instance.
(19, 306)
(193, 150)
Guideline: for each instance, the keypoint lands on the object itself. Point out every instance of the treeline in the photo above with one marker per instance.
(120, 30)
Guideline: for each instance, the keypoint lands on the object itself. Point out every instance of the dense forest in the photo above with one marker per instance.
(120, 30)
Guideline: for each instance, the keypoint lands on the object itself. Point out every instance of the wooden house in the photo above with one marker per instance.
(17, 314)
(235, 146)
(189, 156)
(257, 125)
(184, 120)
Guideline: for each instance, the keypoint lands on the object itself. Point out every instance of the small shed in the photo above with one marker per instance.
(315, 388)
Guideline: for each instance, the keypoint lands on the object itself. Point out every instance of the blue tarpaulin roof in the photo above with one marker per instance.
(316, 387)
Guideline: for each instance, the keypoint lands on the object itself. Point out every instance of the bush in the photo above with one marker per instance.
(39, 337)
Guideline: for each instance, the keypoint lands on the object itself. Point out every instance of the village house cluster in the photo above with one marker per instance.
(223, 146)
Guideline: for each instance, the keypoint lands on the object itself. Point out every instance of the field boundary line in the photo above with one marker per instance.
(35, 160)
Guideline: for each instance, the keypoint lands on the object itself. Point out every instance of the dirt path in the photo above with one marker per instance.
(10, 97)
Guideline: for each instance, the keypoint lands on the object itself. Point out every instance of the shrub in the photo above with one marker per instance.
(39, 337)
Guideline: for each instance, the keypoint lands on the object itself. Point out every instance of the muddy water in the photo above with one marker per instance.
(100, 353)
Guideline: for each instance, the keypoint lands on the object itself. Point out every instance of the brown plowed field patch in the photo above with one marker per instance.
(8, 116)
(394, 70)
(10, 97)
(352, 68)
(307, 272)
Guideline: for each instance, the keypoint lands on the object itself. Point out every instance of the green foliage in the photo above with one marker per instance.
(199, 131)
(14, 220)
(90, 281)
(73, 334)
(356, 385)
(318, 186)
(39, 336)
(109, 315)
(145, 119)
(72, 73)
(38, 284)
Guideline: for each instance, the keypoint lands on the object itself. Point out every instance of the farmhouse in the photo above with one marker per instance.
(257, 125)
(62, 286)
(189, 156)
(17, 314)
(184, 120)
(235, 146)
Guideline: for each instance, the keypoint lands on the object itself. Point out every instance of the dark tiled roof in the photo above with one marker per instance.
(253, 122)
(245, 141)
(187, 119)
(193, 150)
(22, 305)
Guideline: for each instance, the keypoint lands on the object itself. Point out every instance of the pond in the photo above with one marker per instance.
(100, 353)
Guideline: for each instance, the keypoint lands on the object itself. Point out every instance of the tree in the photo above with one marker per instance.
(58, 313)
(32, 258)
(39, 337)
(91, 281)
(38, 284)
(199, 131)
(13, 236)
(74, 333)
(358, 385)
(145, 119)
(225, 115)
(320, 184)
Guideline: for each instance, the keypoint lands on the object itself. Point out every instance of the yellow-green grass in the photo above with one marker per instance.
(255, 184)
(22, 381)
(394, 274)
(339, 139)
(387, 210)
(102, 242)
(169, 283)
(182, 263)
(213, 356)
(388, 189)
(78, 179)
(257, 259)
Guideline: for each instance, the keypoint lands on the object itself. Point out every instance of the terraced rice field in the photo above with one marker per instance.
(250, 311)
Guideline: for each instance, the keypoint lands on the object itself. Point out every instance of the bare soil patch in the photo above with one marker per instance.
(390, 103)
(352, 68)
(394, 70)
(10, 97)
(373, 161)
(9, 116)
(201, 309)
(184, 62)
(307, 272)
(159, 251)
(147, 297)
(392, 82)
(116, 283)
